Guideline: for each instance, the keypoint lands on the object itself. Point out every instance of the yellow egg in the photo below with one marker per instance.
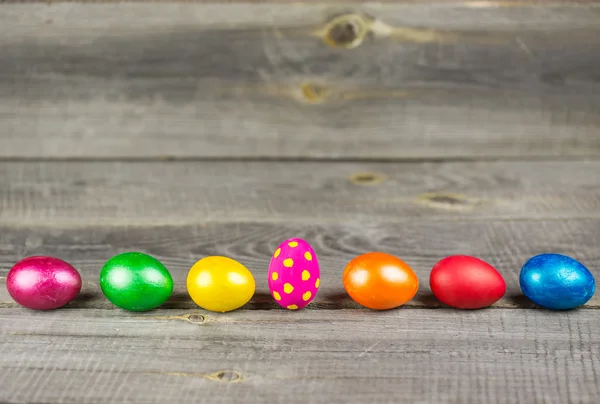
(220, 284)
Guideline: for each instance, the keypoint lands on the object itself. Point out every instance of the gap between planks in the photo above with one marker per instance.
(465, 3)
(301, 159)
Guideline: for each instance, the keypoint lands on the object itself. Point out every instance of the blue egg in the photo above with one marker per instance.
(556, 282)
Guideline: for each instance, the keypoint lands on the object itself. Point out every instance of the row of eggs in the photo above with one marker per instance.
(138, 282)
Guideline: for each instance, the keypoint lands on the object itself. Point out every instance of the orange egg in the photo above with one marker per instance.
(380, 281)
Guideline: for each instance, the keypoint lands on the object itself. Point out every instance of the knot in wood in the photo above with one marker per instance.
(195, 318)
(346, 31)
(367, 178)
(448, 201)
(313, 93)
(226, 376)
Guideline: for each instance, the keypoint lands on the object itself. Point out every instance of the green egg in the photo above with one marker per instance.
(136, 281)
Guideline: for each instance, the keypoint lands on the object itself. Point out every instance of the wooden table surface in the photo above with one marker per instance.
(422, 129)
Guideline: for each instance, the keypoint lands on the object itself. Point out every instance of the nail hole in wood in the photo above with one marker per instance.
(346, 31)
(367, 178)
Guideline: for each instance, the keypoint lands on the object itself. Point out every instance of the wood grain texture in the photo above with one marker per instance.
(80, 194)
(291, 81)
(342, 356)
(506, 244)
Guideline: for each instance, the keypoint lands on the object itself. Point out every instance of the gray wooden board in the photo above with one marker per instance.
(504, 212)
(259, 80)
(506, 244)
(330, 356)
(79, 194)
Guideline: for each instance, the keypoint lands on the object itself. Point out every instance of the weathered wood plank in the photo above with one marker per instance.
(506, 244)
(180, 193)
(492, 357)
(284, 81)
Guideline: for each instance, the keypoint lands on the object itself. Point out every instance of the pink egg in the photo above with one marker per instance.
(294, 274)
(43, 283)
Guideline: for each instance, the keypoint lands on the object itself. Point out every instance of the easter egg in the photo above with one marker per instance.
(220, 284)
(294, 274)
(556, 282)
(380, 281)
(135, 281)
(466, 282)
(43, 283)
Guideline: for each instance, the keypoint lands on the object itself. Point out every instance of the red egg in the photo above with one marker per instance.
(466, 282)
(43, 283)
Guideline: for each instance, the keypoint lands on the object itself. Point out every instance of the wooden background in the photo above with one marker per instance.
(422, 129)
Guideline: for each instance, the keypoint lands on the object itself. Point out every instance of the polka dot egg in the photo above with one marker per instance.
(294, 274)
